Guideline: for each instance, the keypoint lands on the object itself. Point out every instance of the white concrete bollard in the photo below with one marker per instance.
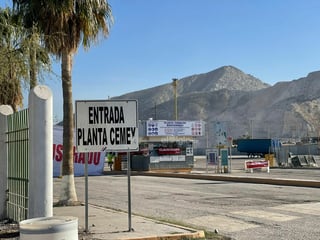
(40, 153)
(51, 228)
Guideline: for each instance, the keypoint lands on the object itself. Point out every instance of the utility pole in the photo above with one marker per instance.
(251, 128)
(174, 84)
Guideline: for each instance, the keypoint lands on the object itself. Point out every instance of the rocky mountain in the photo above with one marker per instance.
(248, 106)
(227, 77)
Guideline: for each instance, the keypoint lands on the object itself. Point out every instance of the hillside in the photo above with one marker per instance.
(226, 77)
(247, 105)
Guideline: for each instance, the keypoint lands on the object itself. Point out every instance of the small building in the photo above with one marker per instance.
(166, 145)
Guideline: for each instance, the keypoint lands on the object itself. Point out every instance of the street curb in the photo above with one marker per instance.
(180, 236)
(259, 180)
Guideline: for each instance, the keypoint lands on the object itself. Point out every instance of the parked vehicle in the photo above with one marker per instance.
(258, 147)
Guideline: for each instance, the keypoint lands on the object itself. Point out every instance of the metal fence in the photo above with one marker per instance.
(18, 165)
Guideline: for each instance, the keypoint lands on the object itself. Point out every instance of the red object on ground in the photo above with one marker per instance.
(257, 164)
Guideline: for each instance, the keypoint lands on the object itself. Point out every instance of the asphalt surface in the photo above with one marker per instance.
(113, 224)
(107, 223)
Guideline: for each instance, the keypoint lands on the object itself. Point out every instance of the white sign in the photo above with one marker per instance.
(221, 133)
(174, 128)
(109, 125)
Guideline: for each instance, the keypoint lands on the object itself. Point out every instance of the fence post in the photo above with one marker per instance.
(4, 111)
(40, 153)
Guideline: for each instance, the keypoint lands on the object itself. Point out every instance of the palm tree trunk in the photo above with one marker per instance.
(68, 194)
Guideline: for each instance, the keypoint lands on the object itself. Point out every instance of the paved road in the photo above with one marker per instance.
(237, 169)
(239, 210)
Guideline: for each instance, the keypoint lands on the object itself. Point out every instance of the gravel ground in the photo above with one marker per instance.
(9, 230)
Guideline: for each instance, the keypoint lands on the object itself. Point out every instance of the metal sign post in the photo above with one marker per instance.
(107, 124)
(86, 194)
(129, 190)
(230, 141)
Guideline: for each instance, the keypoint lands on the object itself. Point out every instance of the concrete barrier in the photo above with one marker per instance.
(256, 164)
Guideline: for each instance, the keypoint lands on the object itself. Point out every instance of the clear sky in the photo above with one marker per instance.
(153, 41)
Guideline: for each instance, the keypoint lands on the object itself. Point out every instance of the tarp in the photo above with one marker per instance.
(95, 163)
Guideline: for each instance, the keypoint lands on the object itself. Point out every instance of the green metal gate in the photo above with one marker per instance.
(18, 165)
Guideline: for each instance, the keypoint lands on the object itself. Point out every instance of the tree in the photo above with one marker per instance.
(65, 25)
(12, 61)
(17, 69)
(37, 57)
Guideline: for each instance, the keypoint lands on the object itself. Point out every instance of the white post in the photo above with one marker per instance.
(4, 111)
(40, 153)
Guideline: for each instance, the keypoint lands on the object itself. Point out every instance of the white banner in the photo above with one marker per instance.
(174, 128)
(221, 133)
(167, 158)
(95, 163)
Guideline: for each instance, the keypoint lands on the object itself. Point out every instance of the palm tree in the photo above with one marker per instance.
(65, 25)
(15, 45)
(13, 68)
(38, 59)
(11, 61)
